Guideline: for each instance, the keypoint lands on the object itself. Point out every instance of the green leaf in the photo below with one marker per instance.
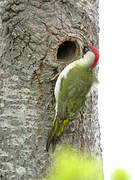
(120, 174)
(72, 165)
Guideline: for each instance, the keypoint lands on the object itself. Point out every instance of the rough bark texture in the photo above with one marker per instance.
(32, 31)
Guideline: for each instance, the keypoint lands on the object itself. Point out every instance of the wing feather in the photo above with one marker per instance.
(73, 91)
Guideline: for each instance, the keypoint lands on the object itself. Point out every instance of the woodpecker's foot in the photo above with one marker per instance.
(55, 77)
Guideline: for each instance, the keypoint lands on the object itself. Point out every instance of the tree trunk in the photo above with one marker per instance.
(38, 40)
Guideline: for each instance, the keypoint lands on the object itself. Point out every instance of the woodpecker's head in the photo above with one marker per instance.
(94, 50)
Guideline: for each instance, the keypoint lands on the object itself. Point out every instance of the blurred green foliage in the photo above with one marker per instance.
(72, 165)
(120, 174)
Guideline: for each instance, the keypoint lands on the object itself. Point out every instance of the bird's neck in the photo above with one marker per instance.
(88, 60)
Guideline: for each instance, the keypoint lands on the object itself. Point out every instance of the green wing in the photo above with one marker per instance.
(73, 91)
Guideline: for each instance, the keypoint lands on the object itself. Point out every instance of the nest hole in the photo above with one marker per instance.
(67, 51)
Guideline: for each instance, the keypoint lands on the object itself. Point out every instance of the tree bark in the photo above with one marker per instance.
(38, 40)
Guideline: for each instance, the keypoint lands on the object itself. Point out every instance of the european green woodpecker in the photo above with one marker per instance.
(71, 90)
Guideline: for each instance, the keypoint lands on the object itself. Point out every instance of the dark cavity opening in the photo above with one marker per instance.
(66, 51)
